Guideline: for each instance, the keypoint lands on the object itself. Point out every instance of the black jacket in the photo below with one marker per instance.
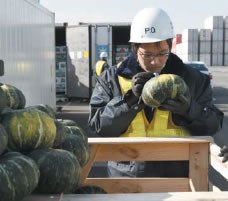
(110, 115)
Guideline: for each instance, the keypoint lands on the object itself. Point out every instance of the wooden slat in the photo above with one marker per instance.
(198, 166)
(168, 196)
(140, 185)
(150, 140)
(143, 152)
(180, 196)
(42, 198)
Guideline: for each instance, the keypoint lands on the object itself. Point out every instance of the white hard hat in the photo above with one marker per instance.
(151, 25)
(103, 54)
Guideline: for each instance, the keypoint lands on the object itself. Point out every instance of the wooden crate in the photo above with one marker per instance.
(193, 149)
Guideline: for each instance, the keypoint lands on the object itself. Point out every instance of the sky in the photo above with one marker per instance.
(185, 14)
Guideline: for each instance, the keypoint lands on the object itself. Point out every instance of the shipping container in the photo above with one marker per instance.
(84, 43)
(61, 61)
(27, 47)
(214, 22)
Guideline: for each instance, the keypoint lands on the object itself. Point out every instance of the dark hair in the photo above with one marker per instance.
(135, 46)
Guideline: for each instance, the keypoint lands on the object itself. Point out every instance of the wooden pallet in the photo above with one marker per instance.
(193, 149)
(168, 196)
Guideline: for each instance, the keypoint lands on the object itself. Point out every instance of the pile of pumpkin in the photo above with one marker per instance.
(38, 153)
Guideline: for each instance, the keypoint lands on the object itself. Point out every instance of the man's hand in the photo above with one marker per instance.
(224, 153)
(179, 106)
(138, 82)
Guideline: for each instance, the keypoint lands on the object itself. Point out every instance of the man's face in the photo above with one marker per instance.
(152, 57)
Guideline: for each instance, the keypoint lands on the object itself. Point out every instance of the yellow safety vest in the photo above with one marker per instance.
(161, 124)
(100, 67)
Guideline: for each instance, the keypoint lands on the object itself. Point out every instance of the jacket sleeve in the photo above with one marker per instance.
(110, 115)
(204, 118)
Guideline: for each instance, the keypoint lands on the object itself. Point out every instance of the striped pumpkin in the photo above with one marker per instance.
(3, 139)
(29, 129)
(160, 88)
(15, 97)
(78, 147)
(3, 99)
(60, 171)
(19, 176)
(76, 130)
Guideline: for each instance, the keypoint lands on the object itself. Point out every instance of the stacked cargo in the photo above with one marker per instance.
(188, 49)
(226, 41)
(215, 23)
(205, 46)
(61, 58)
(121, 52)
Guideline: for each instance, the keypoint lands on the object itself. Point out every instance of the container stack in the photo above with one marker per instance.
(188, 49)
(61, 57)
(205, 46)
(226, 41)
(215, 23)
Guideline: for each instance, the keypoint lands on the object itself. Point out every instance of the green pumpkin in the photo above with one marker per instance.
(3, 99)
(22, 100)
(78, 147)
(76, 130)
(160, 88)
(13, 98)
(3, 139)
(29, 129)
(60, 134)
(19, 176)
(45, 108)
(90, 189)
(60, 171)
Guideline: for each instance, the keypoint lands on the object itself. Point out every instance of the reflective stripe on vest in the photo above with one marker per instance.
(161, 125)
(100, 67)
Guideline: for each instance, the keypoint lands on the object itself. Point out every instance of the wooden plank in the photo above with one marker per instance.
(143, 152)
(169, 196)
(132, 140)
(140, 185)
(198, 166)
(42, 198)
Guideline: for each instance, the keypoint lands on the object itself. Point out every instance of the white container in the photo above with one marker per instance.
(206, 58)
(226, 22)
(217, 59)
(205, 34)
(190, 35)
(27, 37)
(225, 47)
(85, 42)
(226, 59)
(213, 22)
(190, 48)
(226, 34)
(217, 34)
(217, 47)
(205, 47)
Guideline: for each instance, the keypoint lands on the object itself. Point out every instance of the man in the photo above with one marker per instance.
(116, 109)
(102, 64)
